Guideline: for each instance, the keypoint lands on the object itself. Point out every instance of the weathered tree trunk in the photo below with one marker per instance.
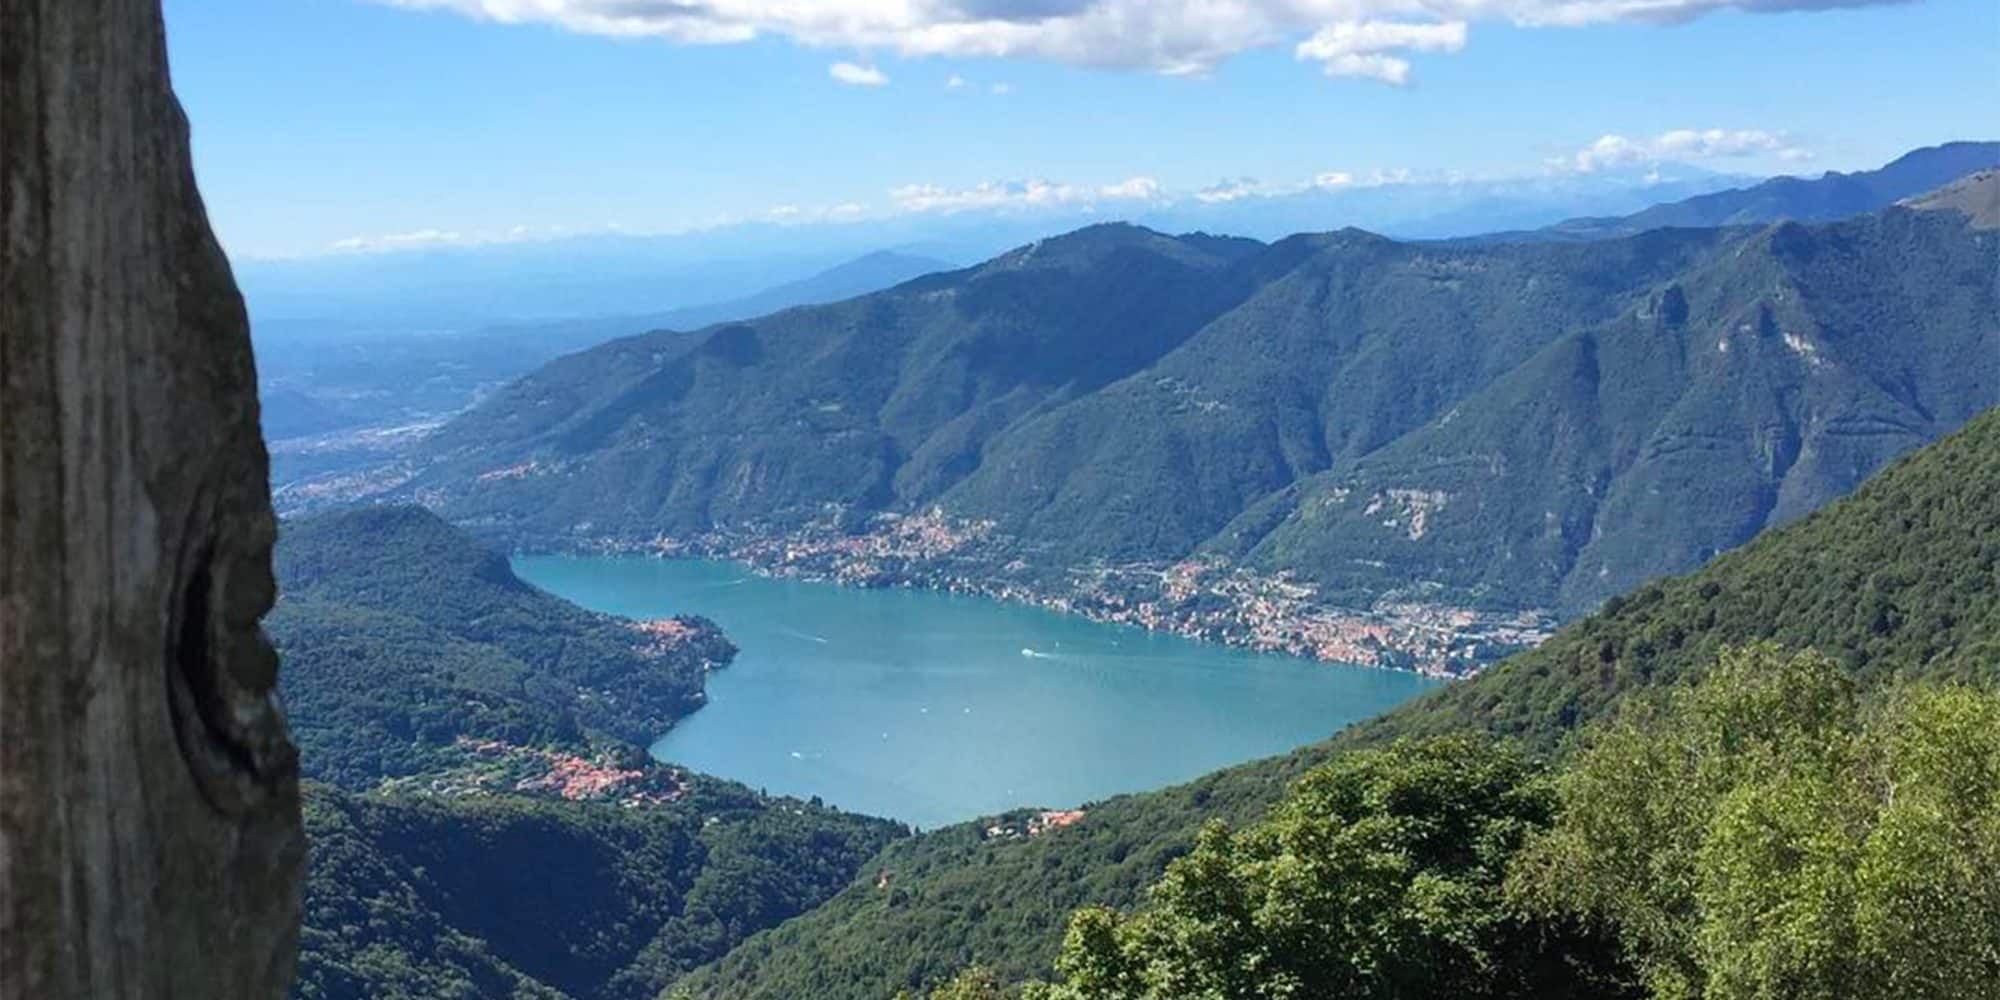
(149, 812)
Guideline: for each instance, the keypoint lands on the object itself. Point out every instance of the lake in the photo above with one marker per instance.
(934, 708)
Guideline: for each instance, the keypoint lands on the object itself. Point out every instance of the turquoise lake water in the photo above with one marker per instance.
(934, 708)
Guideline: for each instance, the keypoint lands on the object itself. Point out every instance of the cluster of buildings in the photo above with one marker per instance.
(549, 773)
(1206, 598)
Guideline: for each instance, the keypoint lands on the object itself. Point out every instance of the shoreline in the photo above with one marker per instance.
(1204, 599)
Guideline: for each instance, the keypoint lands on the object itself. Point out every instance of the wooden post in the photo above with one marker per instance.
(149, 810)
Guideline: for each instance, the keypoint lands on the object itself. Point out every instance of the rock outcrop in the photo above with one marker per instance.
(150, 842)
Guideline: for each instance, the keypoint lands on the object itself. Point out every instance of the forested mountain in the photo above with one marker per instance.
(1504, 426)
(1750, 389)
(1899, 581)
(403, 638)
(495, 827)
(834, 404)
(427, 897)
(1831, 195)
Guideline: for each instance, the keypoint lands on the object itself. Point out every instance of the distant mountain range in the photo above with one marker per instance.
(1537, 424)
(465, 284)
(334, 399)
(1829, 196)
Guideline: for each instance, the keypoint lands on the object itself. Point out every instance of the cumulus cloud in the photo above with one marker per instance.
(1363, 48)
(1362, 38)
(955, 82)
(856, 75)
(1132, 189)
(1687, 145)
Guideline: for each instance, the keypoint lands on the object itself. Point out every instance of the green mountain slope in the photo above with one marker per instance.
(866, 403)
(1901, 579)
(1355, 340)
(501, 896)
(401, 636)
(1509, 426)
(1748, 391)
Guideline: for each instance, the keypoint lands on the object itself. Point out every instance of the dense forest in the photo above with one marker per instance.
(402, 637)
(1896, 585)
(505, 896)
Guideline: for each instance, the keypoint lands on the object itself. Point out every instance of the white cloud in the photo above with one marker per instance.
(1366, 38)
(1686, 145)
(1361, 48)
(1131, 189)
(955, 82)
(855, 75)
(1002, 89)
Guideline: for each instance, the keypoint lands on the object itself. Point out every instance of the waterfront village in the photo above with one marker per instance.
(1204, 598)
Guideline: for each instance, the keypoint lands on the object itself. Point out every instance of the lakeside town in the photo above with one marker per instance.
(1204, 598)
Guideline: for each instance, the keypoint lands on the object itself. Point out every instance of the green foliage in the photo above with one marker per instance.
(1380, 875)
(1771, 833)
(399, 635)
(976, 983)
(499, 896)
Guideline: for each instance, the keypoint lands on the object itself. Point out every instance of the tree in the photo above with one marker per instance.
(1380, 876)
(150, 839)
(1770, 833)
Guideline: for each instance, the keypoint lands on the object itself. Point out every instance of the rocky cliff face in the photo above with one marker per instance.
(150, 843)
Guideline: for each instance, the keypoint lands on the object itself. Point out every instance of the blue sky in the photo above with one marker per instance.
(321, 123)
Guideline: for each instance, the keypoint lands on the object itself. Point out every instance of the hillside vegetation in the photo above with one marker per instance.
(1746, 392)
(1503, 425)
(1771, 831)
(1899, 581)
(402, 636)
(492, 825)
(501, 896)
